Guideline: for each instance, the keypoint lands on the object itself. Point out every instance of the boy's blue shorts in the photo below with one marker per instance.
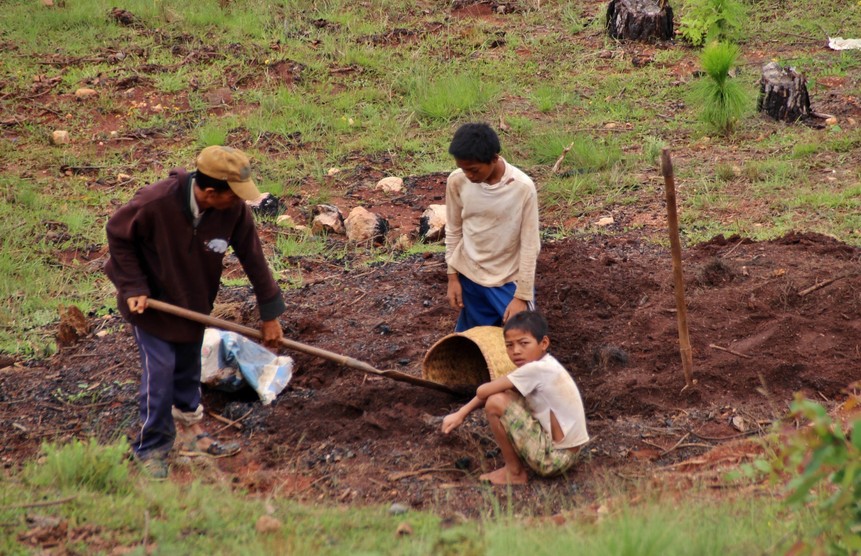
(483, 306)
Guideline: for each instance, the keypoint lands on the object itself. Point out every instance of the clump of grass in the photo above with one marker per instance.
(586, 154)
(722, 101)
(450, 96)
(88, 465)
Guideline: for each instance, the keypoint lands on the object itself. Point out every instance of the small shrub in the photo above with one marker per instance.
(712, 20)
(830, 480)
(87, 465)
(722, 101)
(447, 97)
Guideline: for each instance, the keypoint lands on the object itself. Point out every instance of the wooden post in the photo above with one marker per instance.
(678, 277)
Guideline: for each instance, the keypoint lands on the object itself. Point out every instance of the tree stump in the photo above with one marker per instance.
(639, 20)
(783, 93)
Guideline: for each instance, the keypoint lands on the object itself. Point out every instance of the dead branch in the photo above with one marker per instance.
(39, 504)
(559, 160)
(405, 474)
(819, 285)
(715, 346)
(228, 422)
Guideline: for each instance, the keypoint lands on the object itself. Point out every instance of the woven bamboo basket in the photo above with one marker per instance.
(472, 357)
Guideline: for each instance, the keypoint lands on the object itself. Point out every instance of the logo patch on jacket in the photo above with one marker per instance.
(217, 245)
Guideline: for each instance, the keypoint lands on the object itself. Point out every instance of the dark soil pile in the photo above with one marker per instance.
(766, 320)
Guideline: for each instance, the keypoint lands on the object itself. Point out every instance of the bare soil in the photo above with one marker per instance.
(760, 328)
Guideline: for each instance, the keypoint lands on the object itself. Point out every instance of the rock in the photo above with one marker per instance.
(123, 177)
(327, 219)
(285, 221)
(397, 508)
(606, 221)
(403, 243)
(267, 524)
(48, 3)
(60, 137)
(432, 223)
(831, 121)
(333, 171)
(219, 97)
(363, 225)
(391, 184)
(265, 205)
(404, 529)
(84, 93)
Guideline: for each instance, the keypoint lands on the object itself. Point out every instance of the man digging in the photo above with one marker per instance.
(168, 243)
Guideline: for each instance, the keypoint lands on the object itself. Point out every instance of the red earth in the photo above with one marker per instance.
(766, 320)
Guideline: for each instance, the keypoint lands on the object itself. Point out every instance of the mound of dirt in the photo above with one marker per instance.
(766, 320)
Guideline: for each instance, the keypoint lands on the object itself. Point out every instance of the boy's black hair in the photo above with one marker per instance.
(475, 141)
(528, 321)
(207, 182)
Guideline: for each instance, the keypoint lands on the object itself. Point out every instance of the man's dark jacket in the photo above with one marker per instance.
(157, 251)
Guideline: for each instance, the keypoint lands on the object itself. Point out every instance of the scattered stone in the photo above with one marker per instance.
(397, 508)
(60, 137)
(404, 529)
(220, 96)
(391, 184)
(123, 177)
(403, 243)
(48, 3)
(114, 134)
(267, 524)
(363, 225)
(831, 121)
(606, 221)
(333, 171)
(285, 221)
(432, 223)
(327, 219)
(84, 93)
(265, 205)
(739, 423)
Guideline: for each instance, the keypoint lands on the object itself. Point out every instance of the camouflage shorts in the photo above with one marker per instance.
(533, 443)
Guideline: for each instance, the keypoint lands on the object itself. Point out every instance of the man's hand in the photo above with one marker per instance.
(272, 333)
(455, 292)
(451, 422)
(516, 306)
(137, 304)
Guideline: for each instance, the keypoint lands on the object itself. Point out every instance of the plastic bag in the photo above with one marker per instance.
(230, 360)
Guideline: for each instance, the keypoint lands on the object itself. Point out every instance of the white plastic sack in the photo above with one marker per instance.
(839, 43)
(230, 360)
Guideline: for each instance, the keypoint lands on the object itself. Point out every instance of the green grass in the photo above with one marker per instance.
(96, 488)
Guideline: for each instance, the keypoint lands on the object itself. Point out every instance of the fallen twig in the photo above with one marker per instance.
(815, 287)
(405, 474)
(39, 504)
(561, 158)
(715, 346)
(228, 422)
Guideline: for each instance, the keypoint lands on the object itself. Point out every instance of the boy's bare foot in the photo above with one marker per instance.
(503, 476)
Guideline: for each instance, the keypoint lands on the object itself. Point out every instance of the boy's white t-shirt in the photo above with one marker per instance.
(547, 387)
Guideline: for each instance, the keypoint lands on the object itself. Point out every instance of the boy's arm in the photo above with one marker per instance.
(454, 420)
(453, 220)
(530, 245)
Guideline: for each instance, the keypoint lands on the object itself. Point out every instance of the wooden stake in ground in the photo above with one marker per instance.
(678, 277)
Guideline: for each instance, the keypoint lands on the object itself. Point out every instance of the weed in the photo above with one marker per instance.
(445, 98)
(82, 465)
(705, 21)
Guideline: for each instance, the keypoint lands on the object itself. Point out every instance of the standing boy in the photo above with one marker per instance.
(536, 413)
(491, 231)
(168, 243)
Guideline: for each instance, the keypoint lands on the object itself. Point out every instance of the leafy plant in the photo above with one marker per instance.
(722, 101)
(712, 20)
(829, 460)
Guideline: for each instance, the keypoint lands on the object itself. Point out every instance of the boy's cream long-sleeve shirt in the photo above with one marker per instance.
(491, 231)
